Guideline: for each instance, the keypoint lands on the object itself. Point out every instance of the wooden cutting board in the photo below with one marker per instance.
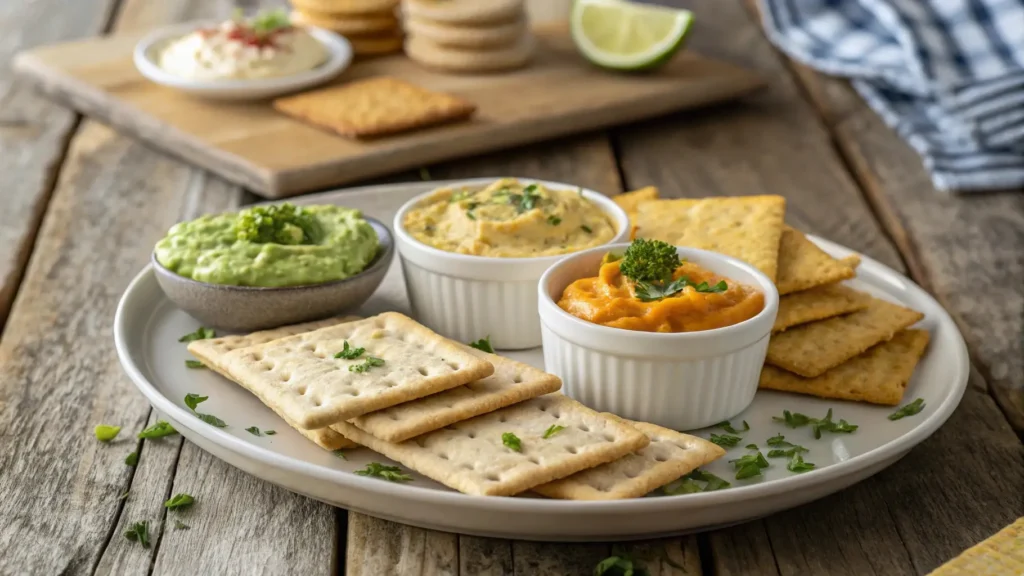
(275, 156)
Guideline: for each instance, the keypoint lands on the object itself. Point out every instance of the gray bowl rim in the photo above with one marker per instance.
(382, 258)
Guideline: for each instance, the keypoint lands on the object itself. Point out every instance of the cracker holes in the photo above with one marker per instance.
(571, 450)
(660, 458)
(584, 427)
(609, 438)
(471, 435)
(443, 456)
(266, 366)
(630, 475)
(517, 379)
(492, 477)
(465, 466)
(556, 414)
(503, 419)
(301, 390)
(308, 347)
(423, 371)
(257, 356)
(534, 460)
(390, 383)
(286, 377)
(320, 355)
(317, 402)
(453, 365)
(420, 442)
(393, 416)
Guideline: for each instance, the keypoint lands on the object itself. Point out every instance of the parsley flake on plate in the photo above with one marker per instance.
(132, 459)
(193, 400)
(483, 345)
(786, 452)
(909, 410)
(727, 426)
(253, 430)
(179, 501)
(339, 453)
(106, 432)
(818, 425)
(797, 464)
(689, 484)
(139, 532)
(200, 334)
(349, 353)
(158, 430)
(552, 430)
(369, 362)
(725, 440)
(389, 473)
(194, 364)
(512, 442)
(269, 432)
(749, 466)
(751, 446)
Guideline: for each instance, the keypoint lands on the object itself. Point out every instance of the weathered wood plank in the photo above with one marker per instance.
(555, 559)
(485, 556)
(776, 143)
(967, 250)
(33, 131)
(380, 547)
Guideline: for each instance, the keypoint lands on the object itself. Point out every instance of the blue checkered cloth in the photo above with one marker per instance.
(947, 75)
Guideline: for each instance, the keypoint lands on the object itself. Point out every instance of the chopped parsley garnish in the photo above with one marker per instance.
(139, 532)
(725, 440)
(253, 430)
(797, 464)
(349, 353)
(469, 210)
(649, 292)
(728, 427)
(200, 334)
(751, 446)
(554, 220)
(179, 525)
(132, 459)
(818, 425)
(908, 410)
(528, 199)
(389, 473)
(277, 224)
(682, 486)
(193, 400)
(586, 229)
(269, 432)
(749, 466)
(194, 364)
(158, 430)
(511, 441)
(105, 432)
(179, 501)
(339, 453)
(459, 196)
(483, 345)
(689, 484)
(781, 448)
(269, 21)
(370, 362)
(552, 430)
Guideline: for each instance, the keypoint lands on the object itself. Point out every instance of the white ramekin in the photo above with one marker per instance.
(466, 297)
(681, 381)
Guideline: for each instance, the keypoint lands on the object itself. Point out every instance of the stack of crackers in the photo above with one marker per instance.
(829, 340)
(467, 36)
(476, 422)
(371, 26)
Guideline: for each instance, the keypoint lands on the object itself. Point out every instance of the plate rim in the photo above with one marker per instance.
(891, 451)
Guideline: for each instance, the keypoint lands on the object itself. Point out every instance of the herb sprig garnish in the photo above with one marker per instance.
(201, 333)
(349, 353)
(193, 400)
(512, 442)
(179, 501)
(650, 265)
(483, 345)
(552, 430)
(139, 532)
(689, 484)
(277, 224)
(909, 410)
(749, 466)
(818, 425)
(725, 440)
(370, 362)
(389, 473)
(158, 430)
(106, 432)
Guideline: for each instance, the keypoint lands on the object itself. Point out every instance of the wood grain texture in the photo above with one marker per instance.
(380, 547)
(33, 131)
(966, 249)
(485, 556)
(231, 139)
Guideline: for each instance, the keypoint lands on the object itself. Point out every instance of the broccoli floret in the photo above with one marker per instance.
(649, 261)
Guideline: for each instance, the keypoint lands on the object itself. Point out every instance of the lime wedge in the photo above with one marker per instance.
(626, 36)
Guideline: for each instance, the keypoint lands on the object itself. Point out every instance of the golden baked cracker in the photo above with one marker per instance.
(802, 265)
(374, 107)
(668, 457)
(300, 376)
(377, 44)
(511, 383)
(744, 227)
(811, 349)
(357, 24)
(346, 7)
(1001, 554)
(630, 201)
(818, 304)
(467, 37)
(458, 60)
(879, 375)
(472, 456)
(211, 350)
(470, 13)
(851, 261)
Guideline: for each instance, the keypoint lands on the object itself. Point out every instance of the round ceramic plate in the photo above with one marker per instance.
(147, 328)
(145, 57)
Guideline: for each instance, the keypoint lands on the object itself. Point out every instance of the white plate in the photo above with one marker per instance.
(147, 328)
(339, 57)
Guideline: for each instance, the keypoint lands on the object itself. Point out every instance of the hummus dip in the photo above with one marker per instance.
(706, 301)
(509, 219)
(265, 46)
(271, 246)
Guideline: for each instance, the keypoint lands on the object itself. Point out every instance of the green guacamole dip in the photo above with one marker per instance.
(271, 246)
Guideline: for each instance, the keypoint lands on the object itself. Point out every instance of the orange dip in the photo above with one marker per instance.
(610, 300)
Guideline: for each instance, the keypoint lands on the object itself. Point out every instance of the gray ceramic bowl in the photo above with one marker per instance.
(249, 308)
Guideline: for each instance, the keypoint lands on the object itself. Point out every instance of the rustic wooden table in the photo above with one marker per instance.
(81, 206)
